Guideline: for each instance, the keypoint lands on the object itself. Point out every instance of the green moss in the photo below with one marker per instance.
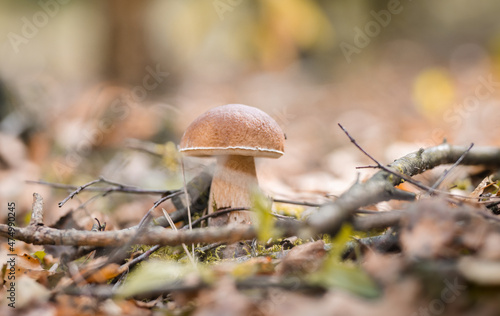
(466, 184)
(164, 253)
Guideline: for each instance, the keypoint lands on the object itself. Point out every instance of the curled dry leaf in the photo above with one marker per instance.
(26, 265)
(104, 274)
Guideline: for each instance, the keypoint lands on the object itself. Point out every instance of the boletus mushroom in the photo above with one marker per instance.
(235, 134)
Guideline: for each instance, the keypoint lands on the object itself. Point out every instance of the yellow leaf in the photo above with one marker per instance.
(171, 156)
(264, 220)
(433, 92)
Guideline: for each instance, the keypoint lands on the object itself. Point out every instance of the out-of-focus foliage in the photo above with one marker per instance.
(344, 275)
(264, 220)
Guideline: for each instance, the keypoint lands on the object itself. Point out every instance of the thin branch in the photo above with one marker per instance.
(445, 174)
(140, 258)
(378, 220)
(215, 214)
(146, 218)
(119, 188)
(368, 167)
(167, 197)
(78, 190)
(381, 166)
(296, 202)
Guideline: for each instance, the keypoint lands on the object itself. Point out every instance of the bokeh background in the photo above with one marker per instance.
(84, 83)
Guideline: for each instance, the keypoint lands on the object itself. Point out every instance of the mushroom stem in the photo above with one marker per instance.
(233, 180)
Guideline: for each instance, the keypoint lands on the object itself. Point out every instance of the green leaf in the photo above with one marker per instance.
(348, 277)
(264, 219)
(153, 274)
(340, 241)
(344, 275)
(40, 255)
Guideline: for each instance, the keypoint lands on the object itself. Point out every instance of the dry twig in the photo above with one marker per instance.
(380, 187)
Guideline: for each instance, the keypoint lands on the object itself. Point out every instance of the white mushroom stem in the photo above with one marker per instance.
(233, 180)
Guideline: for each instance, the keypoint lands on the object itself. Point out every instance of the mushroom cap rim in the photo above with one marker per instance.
(232, 150)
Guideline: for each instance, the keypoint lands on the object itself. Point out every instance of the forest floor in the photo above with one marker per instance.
(419, 237)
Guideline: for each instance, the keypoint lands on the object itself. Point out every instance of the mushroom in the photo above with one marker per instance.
(234, 134)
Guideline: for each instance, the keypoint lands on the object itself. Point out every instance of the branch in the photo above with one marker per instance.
(445, 174)
(119, 188)
(381, 166)
(43, 235)
(215, 214)
(38, 234)
(296, 202)
(378, 220)
(380, 187)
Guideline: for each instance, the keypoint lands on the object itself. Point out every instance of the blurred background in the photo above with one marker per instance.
(81, 82)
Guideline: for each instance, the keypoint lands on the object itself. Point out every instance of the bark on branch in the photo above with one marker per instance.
(43, 235)
(38, 234)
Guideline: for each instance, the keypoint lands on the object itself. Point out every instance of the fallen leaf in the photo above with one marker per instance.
(29, 292)
(223, 299)
(334, 273)
(104, 274)
(305, 258)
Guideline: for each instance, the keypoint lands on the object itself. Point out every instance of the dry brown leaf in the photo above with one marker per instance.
(104, 274)
(76, 305)
(385, 268)
(224, 299)
(29, 291)
(26, 265)
(304, 258)
(487, 187)
(436, 229)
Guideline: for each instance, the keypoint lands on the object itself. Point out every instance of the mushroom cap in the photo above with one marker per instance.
(233, 129)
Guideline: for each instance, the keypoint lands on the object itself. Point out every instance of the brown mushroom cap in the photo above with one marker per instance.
(233, 129)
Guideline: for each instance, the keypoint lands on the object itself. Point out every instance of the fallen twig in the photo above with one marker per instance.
(215, 214)
(381, 166)
(380, 187)
(148, 235)
(378, 220)
(117, 188)
(296, 202)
